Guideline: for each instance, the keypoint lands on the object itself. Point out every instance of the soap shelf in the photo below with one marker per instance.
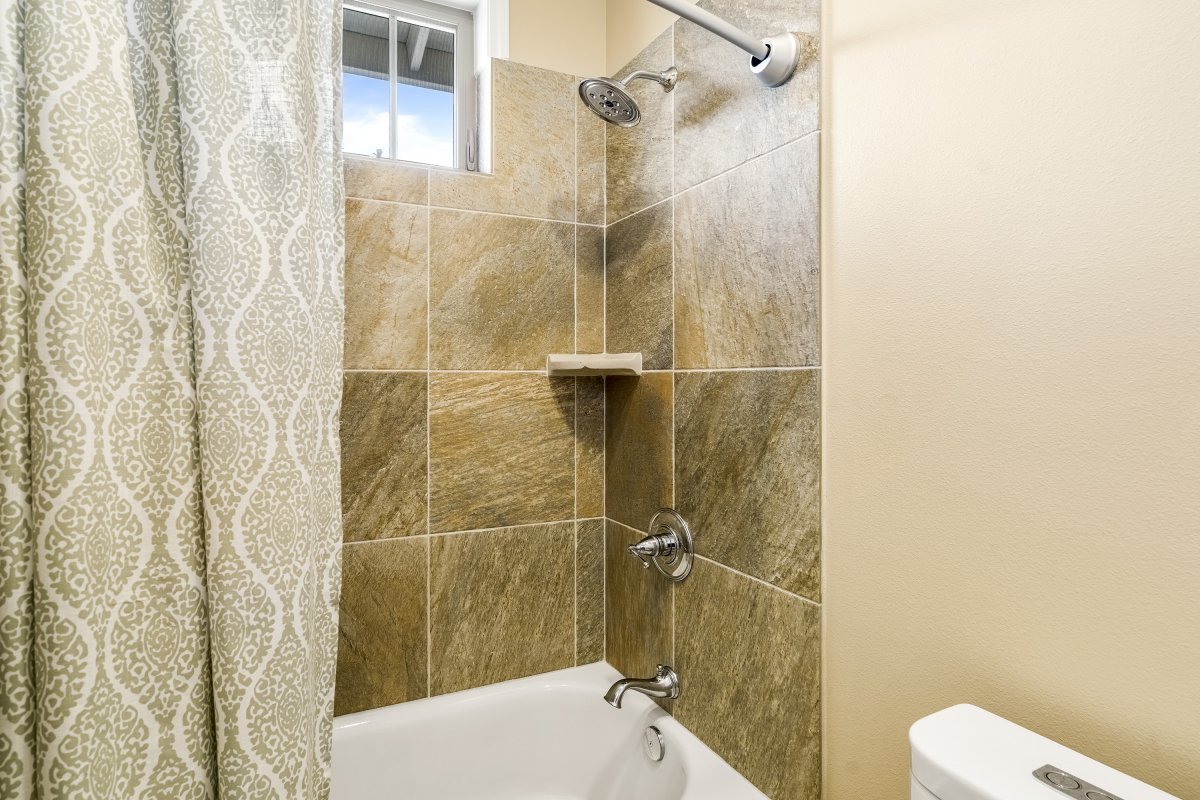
(564, 364)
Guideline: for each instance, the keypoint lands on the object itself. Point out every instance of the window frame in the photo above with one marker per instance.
(442, 17)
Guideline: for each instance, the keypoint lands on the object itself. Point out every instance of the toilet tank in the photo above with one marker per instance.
(966, 753)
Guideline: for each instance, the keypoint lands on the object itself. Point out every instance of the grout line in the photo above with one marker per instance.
(575, 599)
(575, 538)
(604, 589)
(671, 233)
(626, 527)
(731, 569)
(424, 205)
(604, 290)
(759, 581)
(641, 211)
(604, 402)
(676, 194)
(575, 437)
(503, 527)
(759, 157)
(734, 369)
(498, 214)
(410, 537)
(428, 616)
(671, 112)
(388, 371)
(457, 371)
(415, 536)
(428, 438)
(604, 248)
(575, 274)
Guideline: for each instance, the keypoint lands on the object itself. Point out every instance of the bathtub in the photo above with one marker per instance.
(547, 737)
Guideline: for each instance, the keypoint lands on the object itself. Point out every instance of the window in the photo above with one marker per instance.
(408, 82)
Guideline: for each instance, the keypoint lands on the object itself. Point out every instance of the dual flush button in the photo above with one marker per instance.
(1071, 786)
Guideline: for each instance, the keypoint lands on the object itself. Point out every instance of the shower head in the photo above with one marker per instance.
(610, 100)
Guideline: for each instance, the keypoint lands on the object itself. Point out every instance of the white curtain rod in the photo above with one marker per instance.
(710, 21)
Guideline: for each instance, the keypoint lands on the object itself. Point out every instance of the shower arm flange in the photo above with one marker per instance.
(772, 60)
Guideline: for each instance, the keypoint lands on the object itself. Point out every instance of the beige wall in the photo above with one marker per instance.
(1012, 378)
(633, 24)
(583, 37)
(562, 35)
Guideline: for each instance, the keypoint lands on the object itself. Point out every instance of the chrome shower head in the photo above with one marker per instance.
(610, 100)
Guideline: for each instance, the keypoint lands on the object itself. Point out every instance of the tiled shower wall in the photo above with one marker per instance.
(712, 273)
(487, 508)
(473, 493)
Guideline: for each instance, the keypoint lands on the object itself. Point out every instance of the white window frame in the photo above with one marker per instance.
(437, 16)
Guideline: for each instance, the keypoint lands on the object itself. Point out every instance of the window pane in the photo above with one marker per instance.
(424, 94)
(365, 107)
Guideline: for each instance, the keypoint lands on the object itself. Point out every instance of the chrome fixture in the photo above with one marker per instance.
(665, 683)
(1071, 786)
(772, 60)
(610, 100)
(668, 546)
(653, 744)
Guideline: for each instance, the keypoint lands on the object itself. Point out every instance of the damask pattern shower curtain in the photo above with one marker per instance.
(170, 354)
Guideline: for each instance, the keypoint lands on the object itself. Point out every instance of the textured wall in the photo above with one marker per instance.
(472, 484)
(1012, 326)
(712, 273)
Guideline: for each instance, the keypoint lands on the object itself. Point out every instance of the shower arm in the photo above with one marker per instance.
(773, 60)
(666, 79)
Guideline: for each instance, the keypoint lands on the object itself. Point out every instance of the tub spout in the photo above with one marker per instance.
(665, 683)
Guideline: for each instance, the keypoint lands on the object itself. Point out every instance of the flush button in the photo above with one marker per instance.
(1070, 786)
(1062, 780)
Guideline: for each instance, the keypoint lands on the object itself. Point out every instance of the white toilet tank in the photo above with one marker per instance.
(966, 753)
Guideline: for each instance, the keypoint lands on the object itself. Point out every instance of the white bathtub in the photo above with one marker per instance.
(547, 737)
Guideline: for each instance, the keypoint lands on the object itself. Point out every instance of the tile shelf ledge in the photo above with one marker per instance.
(579, 364)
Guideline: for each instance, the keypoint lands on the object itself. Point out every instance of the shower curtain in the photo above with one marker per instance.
(170, 354)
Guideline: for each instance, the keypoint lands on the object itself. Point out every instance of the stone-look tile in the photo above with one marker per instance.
(501, 450)
(384, 179)
(501, 605)
(750, 660)
(382, 625)
(386, 259)
(589, 165)
(747, 472)
(589, 447)
(747, 288)
(533, 155)
(637, 445)
(637, 613)
(589, 289)
(639, 158)
(502, 291)
(638, 280)
(383, 455)
(723, 116)
(589, 591)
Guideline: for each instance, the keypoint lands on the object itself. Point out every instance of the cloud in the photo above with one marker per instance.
(367, 131)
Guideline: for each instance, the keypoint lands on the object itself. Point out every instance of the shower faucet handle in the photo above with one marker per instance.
(668, 545)
(651, 547)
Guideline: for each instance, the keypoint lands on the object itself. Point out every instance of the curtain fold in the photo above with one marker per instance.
(170, 360)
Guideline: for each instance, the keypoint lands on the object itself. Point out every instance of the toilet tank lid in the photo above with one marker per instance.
(966, 753)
